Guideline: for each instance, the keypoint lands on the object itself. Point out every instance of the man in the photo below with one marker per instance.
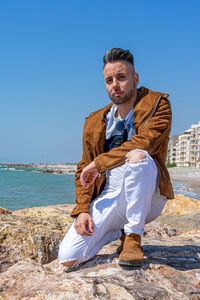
(121, 182)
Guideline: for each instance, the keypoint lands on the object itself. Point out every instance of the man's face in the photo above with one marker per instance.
(121, 81)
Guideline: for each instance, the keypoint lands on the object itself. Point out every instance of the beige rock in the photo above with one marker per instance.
(118, 292)
(182, 213)
(160, 277)
(29, 241)
(33, 233)
(181, 205)
(182, 223)
(57, 211)
(37, 232)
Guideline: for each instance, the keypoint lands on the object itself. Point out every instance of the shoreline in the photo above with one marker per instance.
(186, 181)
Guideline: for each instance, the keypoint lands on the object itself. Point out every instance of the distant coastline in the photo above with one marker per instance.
(42, 168)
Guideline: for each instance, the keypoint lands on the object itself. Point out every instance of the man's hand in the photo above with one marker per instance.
(89, 174)
(84, 224)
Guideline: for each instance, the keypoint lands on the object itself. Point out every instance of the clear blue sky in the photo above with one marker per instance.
(51, 67)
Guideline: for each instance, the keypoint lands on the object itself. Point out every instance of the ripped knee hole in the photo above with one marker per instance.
(136, 157)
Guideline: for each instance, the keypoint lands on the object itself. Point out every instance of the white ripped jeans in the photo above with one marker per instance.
(129, 200)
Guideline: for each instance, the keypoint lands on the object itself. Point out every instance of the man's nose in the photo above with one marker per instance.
(115, 83)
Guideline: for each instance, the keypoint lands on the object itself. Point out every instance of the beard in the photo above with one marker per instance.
(123, 99)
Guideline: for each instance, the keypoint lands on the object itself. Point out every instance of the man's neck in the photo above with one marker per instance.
(123, 109)
(122, 112)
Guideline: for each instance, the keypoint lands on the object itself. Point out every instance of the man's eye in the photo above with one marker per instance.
(109, 81)
(121, 77)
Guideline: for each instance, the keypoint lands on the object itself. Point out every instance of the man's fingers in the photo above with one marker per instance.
(83, 178)
(82, 227)
(87, 233)
(89, 172)
(92, 179)
(84, 232)
(91, 225)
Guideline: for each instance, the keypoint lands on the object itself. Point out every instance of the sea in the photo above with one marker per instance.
(20, 189)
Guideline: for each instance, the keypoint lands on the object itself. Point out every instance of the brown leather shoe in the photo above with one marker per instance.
(120, 247)
(132, 254)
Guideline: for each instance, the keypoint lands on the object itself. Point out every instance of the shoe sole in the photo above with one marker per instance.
(130, 263)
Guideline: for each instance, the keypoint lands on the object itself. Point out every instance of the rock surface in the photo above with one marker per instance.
(29, 269)
(181, 205)
(33, 233)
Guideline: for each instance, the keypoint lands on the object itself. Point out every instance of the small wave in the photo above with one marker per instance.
(178, 184)
(186, 190)
(10, 169)
(188, 194)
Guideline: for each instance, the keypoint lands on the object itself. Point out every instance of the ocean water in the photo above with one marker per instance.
(20, 189)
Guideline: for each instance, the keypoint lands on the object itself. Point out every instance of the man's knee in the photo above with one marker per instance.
(67, 256)
(136, 156)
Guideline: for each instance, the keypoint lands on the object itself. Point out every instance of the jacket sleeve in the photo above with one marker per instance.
(83, 195)
(148, 137)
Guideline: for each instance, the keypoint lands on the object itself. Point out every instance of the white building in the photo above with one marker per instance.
(184, 150)
(172, 153)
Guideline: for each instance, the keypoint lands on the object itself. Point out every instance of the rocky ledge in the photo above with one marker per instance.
(42, 168)
(29, 241)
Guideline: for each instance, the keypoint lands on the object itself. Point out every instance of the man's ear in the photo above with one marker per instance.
(136, 78)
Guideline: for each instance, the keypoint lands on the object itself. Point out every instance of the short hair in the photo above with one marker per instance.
(116, 54)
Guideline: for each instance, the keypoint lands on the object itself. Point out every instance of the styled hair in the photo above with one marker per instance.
(116, 54)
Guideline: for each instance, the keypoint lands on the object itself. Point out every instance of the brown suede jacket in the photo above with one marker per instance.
(152, 124)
